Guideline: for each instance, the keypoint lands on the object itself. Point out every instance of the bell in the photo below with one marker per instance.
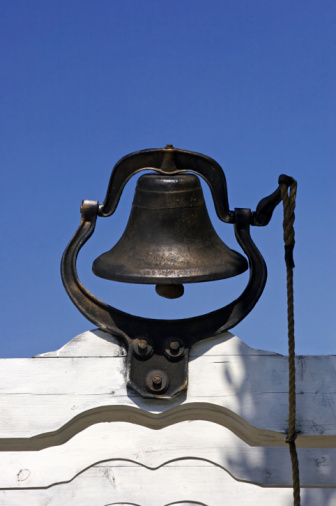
(169, 239)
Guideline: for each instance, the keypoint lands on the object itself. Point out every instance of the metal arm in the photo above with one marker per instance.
(130, 329)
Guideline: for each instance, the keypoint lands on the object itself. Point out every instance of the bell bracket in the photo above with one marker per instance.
(158, 349)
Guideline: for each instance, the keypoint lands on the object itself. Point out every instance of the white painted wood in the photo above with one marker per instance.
(246, 388)
(189, 484)
(93, 343)
(154, 448)
(65, 414)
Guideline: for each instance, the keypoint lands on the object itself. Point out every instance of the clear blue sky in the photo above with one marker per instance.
(83, 83)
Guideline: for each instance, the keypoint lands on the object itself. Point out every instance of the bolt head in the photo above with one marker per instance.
(174, 348)
(143, 345)
(157, 380)
(142, 348)
(174, 345)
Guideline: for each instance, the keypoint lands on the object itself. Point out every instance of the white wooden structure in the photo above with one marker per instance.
(72, 434)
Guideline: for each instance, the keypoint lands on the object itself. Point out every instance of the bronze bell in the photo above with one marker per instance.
(169, 239)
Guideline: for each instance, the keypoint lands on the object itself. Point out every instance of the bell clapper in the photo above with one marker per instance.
(170, 291)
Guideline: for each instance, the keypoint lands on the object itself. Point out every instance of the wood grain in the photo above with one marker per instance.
(72, 433)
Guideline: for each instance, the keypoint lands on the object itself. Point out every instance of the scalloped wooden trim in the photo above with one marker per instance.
(201, 440)
(194, 411)
(179, 484)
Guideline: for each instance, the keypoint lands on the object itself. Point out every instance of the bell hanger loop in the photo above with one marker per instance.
(164, 161)
(160, 347)
(168, 164)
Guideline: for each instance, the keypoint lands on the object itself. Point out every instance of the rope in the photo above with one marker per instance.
(289, 239)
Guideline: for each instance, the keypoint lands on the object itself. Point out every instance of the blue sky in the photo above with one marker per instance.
(83, 83)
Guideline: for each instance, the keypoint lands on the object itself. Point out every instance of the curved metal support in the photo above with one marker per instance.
(95, 310)
(158, 334)
(168, 160)
(157, 348)
(239, 308)
(263, 213)
(129, 326)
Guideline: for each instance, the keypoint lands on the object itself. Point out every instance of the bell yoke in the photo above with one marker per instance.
(169, 240)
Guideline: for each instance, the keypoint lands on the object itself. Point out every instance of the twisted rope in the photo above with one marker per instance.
(289, 239)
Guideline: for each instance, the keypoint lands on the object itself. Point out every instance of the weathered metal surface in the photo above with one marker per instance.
(169, 238)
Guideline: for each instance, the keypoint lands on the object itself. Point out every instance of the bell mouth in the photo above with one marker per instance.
(169, 239)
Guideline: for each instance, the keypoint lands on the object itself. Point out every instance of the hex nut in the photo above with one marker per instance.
(174, 349)
(142, 349)
(157, 381)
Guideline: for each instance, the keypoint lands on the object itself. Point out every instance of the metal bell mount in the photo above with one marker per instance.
(169, 240)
